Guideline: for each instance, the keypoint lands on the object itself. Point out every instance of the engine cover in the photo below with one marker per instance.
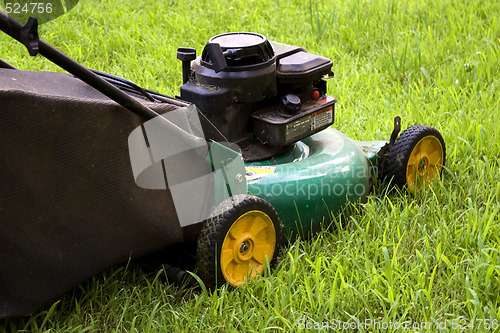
(258, 92)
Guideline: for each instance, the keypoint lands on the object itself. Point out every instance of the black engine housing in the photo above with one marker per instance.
(262, 95)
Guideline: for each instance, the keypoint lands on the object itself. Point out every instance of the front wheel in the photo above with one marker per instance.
(235, 242)
(417, 157)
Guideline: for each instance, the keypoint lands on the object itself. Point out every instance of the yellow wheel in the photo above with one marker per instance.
(425, 162)
(235, 243)
(417, 157)
(248, 242)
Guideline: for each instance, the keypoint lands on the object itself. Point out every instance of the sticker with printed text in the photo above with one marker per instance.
(254, 172)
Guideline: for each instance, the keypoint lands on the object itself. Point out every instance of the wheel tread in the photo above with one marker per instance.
(399, 155)
(215, 227)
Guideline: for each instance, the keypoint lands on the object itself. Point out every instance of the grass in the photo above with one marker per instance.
(400, 258)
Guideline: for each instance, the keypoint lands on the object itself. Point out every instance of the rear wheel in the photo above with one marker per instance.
(235, 242)
(417, 157)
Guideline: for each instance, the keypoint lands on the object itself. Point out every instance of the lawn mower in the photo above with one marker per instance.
(97, 170)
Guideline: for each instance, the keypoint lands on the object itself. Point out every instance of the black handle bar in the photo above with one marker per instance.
(28, 35)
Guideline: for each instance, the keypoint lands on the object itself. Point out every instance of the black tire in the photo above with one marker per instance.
(216, 231)
(418, 154)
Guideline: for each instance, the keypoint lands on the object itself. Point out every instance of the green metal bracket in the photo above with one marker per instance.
(229, 172)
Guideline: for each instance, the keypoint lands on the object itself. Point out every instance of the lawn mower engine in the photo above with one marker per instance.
(261, 95)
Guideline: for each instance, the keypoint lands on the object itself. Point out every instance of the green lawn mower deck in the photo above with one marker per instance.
(244, 157)
(318, 178)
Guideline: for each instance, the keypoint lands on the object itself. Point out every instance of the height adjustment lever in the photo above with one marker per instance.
(395, 131)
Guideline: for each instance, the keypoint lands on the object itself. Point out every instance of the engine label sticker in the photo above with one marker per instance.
(321, 118)
(255, 172)
(298, 128)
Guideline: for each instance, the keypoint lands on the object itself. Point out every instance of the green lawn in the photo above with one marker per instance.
(433, 257)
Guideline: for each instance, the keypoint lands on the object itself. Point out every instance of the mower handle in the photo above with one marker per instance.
(28, 35)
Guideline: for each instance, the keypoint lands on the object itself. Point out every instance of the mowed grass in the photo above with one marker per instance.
(432, 257)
